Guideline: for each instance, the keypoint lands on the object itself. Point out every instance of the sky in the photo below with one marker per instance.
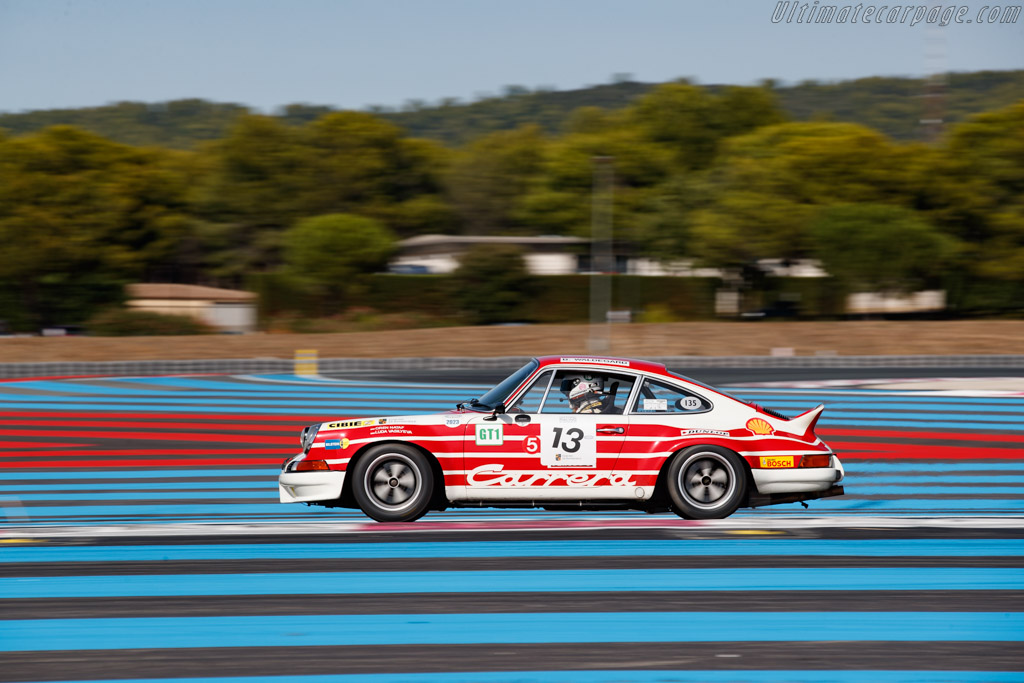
(357, 53)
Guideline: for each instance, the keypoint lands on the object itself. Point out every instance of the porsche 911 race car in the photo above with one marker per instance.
(560, 432)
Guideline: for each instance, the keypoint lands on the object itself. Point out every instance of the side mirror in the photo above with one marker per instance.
(498, 410)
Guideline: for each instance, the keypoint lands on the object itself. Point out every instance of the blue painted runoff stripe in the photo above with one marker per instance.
(515, 581)
(965, 504)
(624, 548)
(269, 492)
(184, 486)
(615, 676)
(40, 635)
(993, 481)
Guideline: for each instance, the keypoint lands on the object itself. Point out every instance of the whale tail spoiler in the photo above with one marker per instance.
(804, 422)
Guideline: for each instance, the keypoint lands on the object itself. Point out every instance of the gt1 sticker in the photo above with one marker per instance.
(568, 445)
(489, 435)
(659, 404)
(775, 461)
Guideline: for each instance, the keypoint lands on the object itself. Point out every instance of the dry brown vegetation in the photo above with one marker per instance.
(669, 339)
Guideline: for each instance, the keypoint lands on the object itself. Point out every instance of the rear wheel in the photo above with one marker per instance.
(706, 482)
(393, 483)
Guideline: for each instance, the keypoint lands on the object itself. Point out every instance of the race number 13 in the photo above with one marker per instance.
(569, 445)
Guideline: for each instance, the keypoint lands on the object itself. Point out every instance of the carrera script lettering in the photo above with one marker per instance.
(494, 475)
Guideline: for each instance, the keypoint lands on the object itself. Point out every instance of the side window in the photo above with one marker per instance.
(656, 398)
(579, 391)
(529, 402)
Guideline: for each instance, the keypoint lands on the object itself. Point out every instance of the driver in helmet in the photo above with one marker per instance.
(586, 395)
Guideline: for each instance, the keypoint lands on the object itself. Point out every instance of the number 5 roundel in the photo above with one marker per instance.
(531, 445)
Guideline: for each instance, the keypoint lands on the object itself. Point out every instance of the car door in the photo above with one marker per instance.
(544, 448)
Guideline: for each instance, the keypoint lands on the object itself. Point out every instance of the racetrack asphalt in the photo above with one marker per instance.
(143, 541)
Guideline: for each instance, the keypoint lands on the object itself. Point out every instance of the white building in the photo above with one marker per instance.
(226, 310)
(546, 255)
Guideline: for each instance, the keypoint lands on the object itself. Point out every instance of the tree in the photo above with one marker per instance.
(692, 122)
(493, 283)
(331, 253)
(873, 247)
(490, 177)
(79, 216)
(767, 185)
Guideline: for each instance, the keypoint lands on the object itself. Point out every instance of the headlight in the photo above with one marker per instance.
(307, 436)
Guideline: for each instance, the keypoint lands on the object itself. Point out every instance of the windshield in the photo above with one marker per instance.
(499, 393)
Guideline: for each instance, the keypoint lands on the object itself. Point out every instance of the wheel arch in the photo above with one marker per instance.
(438, 499)
(660, 495)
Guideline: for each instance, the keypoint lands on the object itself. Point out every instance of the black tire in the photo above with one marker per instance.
(393, 483)
(706, 482)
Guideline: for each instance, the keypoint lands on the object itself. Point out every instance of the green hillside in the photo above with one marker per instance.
(893, 106)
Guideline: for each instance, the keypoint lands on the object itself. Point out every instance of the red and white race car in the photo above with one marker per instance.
(569, 432)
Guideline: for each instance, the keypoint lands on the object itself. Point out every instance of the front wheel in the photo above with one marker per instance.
(706, 482)
(393, 483)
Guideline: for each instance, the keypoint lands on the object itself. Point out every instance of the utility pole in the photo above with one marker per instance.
(601, 264)
(934, 109)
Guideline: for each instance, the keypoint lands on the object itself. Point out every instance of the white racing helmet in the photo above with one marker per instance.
(586, 396)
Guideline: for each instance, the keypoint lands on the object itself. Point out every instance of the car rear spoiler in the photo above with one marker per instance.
(804, 422)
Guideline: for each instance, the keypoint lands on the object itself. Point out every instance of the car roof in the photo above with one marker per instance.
(608, 362)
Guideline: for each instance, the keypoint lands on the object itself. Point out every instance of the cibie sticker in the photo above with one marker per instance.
(452, 422)
(489, 435)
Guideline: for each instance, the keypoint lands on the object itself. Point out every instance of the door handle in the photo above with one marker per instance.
(523, 419)
(610, 430)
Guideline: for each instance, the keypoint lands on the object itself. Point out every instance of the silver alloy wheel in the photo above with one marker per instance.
(393, 481)
(706, 480)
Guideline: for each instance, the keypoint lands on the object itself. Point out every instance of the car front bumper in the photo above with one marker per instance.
(308, 487)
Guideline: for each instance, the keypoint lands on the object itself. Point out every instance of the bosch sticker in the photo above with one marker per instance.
(775, 461)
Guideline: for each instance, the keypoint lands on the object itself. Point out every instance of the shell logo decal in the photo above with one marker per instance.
(759, 426)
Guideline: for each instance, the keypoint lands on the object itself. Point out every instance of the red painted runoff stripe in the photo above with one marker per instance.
(136, 424)
(157, 436)
(869, 451)
(153, 415)
(36, 444)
